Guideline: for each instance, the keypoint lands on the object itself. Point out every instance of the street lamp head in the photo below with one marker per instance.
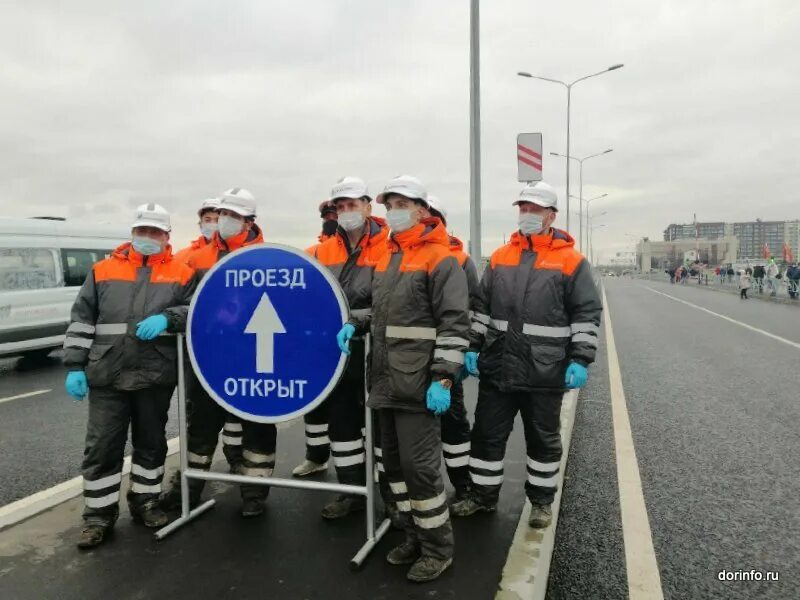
(609, 150)
(524, 74)
(554, 154)
(615, 67)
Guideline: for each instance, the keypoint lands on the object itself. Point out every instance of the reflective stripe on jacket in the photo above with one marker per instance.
(118, 293)
(420, 319)
(537, 310)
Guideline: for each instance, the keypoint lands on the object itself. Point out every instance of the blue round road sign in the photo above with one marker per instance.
(262, 333)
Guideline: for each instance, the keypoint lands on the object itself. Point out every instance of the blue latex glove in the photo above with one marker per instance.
(471, 363)
(576, 376)
(437, 399)
(347, 331)
(76, 384)
(151, 327)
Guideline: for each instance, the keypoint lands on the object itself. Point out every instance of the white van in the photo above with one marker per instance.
(43, 263)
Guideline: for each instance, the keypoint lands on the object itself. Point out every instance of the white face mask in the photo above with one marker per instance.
(399, 219)
(352, 220)
(530, 223)
(208, 229)
(229, 227)
(145, 246)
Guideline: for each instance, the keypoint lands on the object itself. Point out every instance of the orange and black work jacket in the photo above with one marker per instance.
(207, 256)
(538, 309)
(470, 270)
(320, 240)
(184, 254)
(354, 268)
(119, 292)
(420, 318)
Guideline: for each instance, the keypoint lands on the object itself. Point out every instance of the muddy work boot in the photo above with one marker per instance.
(170, 500)
(344, 505)
(541, 516)
(309, 467)
(469, 506)
(405, 554)
(93, 534)
(152, 516)
(428, 568)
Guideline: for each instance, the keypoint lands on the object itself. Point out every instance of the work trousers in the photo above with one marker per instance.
(258, 443)
(111, 411)
(494, 421)
(456, 441)
(412, 455)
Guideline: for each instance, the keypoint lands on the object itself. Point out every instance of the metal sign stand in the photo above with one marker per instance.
(374, 534)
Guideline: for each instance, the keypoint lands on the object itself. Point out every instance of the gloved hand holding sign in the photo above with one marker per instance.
(438, 398)
(76, 384)
(344, 336)
(576, 376)
(151, 327)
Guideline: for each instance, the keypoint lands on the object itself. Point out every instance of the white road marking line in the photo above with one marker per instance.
(644, 579)
(711, 312)
(26, 395)
(40, 501)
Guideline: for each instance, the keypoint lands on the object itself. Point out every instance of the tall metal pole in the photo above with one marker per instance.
(569, 94)
(475, 133)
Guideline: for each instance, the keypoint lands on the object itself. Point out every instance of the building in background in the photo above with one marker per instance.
(623, 259)
(752, 236)
(661, 255)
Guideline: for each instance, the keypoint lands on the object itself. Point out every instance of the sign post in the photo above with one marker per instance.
(261, 338)
(529, 157)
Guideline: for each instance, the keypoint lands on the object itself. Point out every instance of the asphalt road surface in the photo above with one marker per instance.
(711, 390)
(42, 435)
(714, 413)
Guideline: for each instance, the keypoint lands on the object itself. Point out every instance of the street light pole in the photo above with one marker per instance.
(580, 203)
(591, 242)
(568, 86)
(475, 133)
(588, 230)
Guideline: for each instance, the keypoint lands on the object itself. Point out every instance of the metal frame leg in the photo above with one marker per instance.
(186, 514)
(373, 536)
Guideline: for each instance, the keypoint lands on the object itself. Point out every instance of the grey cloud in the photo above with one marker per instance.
(108, 105)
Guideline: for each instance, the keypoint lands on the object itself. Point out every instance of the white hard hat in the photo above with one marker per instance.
(238, 200)
(539, 193)
(152, 215)
(350, 187)
(435, 203)
(405, 185)
(210, 204)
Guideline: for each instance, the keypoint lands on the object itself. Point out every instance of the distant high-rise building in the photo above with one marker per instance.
(752, 235)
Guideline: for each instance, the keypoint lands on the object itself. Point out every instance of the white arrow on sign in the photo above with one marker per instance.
(265, 323)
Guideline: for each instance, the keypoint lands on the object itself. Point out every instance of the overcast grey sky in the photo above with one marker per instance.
(106, 105)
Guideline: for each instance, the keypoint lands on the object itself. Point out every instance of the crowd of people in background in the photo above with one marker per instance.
(769, 277)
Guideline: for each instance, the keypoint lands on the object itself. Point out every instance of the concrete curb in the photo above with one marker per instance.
(527, 568)
(32, 505)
